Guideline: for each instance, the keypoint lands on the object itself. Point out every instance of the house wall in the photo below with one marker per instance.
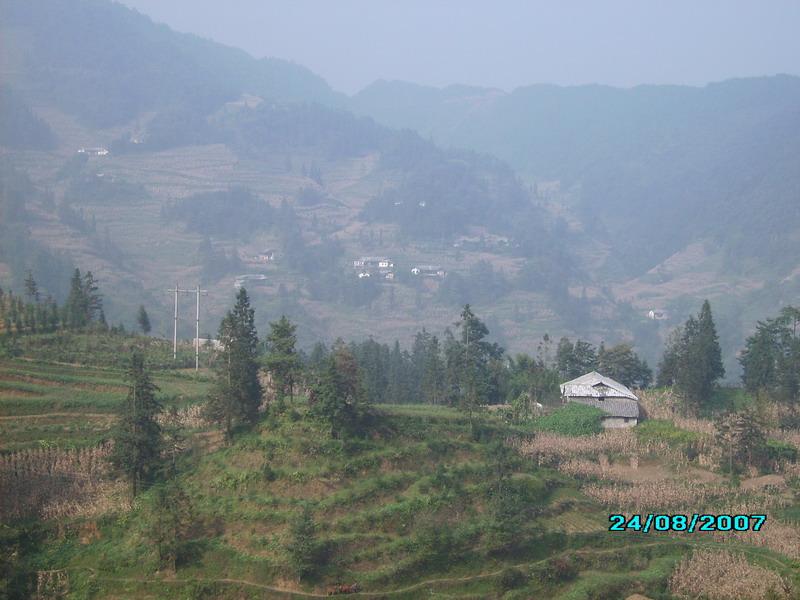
(618, 422)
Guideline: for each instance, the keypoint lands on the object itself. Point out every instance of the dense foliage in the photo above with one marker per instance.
(771, 357)
(692, 360)
(235, 212)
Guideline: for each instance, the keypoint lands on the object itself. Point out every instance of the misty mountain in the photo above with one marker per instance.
(107, 64)
(655, 167)
(214, 158)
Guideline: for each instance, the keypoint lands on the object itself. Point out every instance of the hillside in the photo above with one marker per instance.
(684, 163)
(107, 64)
(628, 200)
(428, 501)
(675, 193)
(193, 190)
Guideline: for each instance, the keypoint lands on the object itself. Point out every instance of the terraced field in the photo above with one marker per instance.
(46, 404)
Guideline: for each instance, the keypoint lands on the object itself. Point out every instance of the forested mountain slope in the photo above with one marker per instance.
(216, 160)
(108, 64)
(658, 167)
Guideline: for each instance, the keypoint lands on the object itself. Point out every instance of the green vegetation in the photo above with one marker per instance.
(771, 357)
(136, 453)
(666, 431)
(572, 419)
(692, 360)
(236, 394)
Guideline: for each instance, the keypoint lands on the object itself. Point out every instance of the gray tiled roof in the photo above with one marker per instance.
(595, 385)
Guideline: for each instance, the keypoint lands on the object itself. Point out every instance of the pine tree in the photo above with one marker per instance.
(143, 319)
(428, 367)
(701, 364)
(692, 360)
(741, 436)
(236, 393)
(337, 396)
(771, 357)
(303, 547)
(171, 523)
(31, 288)
(620, 362)
(75, 309)
(282, 361)
(137, 435)
(476, 386)
(92, 298)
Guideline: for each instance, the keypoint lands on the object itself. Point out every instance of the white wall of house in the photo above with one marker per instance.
(618, 422)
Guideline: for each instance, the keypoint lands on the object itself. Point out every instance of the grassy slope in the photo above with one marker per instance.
(377, 503)
(71, 402)
(374, 502)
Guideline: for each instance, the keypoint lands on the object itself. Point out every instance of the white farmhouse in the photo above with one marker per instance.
(593, 389)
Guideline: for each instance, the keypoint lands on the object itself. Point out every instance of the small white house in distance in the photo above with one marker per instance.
(593, 389)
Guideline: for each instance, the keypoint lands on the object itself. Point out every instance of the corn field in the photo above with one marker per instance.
(721, 575)
(51, 483)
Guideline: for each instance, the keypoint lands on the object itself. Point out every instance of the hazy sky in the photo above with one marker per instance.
(505, 43)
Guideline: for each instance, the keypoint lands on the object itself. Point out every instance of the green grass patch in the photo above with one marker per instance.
(573, 419)
(666, 431)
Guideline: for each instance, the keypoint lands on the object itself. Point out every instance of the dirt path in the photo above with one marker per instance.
(59, 415)
(429, 582)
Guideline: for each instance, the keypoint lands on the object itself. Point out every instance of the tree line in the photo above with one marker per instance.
(33, 313)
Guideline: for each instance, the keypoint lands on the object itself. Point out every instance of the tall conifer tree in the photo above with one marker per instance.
(236, 393)
(137, 436)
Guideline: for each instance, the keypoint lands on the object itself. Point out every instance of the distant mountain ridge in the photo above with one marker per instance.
(115, 63)
(691, 162)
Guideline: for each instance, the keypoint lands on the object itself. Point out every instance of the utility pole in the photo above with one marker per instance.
(175, 327)
(177, 290)
(198, 291)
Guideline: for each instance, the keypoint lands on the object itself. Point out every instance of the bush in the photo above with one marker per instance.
(511, 579)
(559, 570)
(572, 419)
(666, 431)
(305, 551)
(780, 451)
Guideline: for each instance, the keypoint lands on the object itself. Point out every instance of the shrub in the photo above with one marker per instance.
(559, 570)
(304, 549)
(661, 430)
(511, 579)
(573, 419)
(780, 451)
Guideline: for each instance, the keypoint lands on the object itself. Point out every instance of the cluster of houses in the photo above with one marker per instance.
(374, 266)
(383, 267)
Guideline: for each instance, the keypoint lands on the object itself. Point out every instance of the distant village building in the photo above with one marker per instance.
(93, 151)
(429, 271)
(259, 258)
(373, 262)
(249, 279)
(656, 315)
(593, 389)
(367, 266)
